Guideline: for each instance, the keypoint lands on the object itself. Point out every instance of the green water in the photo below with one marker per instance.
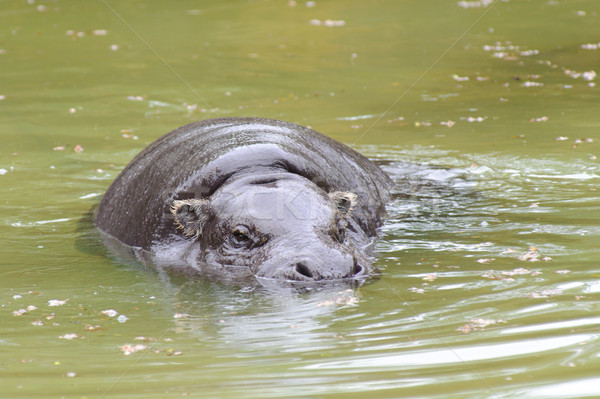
(489, 116)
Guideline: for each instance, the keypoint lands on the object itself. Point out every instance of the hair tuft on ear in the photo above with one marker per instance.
(344, 201)
(191, 216)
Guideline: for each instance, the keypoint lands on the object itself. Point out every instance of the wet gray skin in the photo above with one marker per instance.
(281, 226)
(277, 200)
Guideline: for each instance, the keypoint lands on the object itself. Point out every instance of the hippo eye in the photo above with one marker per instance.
(240, 236)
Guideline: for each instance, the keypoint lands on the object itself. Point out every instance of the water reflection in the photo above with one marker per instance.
(272, 320)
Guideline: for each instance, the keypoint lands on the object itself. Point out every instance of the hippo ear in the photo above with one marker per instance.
(191, 215)
(344, 201)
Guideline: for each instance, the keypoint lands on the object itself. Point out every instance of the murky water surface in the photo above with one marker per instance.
(485, 112)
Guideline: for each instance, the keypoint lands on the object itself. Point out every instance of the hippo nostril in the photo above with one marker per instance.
(302, 269)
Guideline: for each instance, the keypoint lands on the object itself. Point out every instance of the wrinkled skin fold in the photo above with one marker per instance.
(278, 200)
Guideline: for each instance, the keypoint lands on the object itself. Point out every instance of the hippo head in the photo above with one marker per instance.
(280, 226)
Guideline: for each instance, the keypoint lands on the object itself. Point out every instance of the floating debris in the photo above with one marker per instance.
(422, 124)
(127, 134)
(509, 275)
(448, 123)
(508, 51)
(128, 349)
(589, 75)
(109, 312)
(532, 255)
(474, 4)
(89, 327)
(78, 149)
(590, 46)
(460, 78)
(472, 119)
(529, 53)
(344, 298)
(520, 271)
(328, 22)
(69, 337)
(181, 316)
(586, 75)
(21, 312)
(530, 83)
(57, 302)
(540, 119)
(332, 23)
(478, 324)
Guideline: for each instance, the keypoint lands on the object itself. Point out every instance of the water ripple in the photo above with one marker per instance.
(456, 355)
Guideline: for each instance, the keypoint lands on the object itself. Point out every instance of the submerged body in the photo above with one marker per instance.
(277, 200)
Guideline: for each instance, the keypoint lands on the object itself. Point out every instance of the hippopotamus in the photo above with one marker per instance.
(275, 199)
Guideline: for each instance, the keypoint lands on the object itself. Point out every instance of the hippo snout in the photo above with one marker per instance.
(309, 271)
(312, 269)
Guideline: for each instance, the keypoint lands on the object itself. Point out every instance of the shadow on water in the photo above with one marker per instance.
(87, 238)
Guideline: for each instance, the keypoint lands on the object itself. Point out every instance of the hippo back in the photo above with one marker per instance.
(195, 160)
